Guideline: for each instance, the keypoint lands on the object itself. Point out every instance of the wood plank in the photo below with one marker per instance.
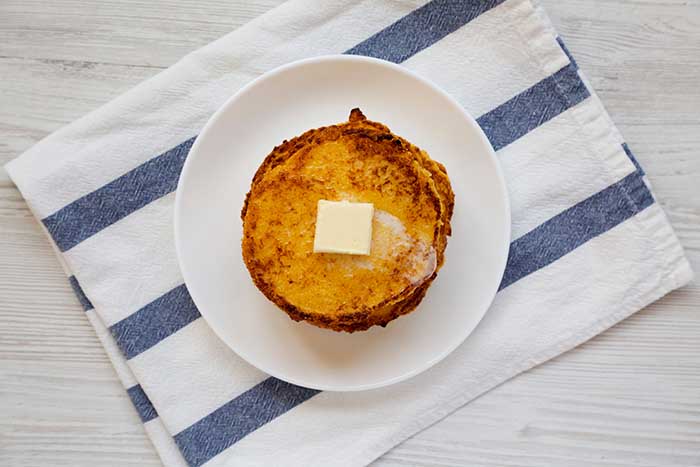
(133, 32)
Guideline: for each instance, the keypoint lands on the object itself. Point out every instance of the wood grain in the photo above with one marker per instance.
(628, 397)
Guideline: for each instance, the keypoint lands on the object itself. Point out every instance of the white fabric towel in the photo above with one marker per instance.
(591, 246)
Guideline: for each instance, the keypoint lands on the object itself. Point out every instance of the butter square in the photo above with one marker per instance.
(343, 227)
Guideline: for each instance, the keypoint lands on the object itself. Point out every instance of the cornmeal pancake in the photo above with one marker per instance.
(358, 161)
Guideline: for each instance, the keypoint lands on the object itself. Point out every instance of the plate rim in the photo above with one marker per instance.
(214, 118)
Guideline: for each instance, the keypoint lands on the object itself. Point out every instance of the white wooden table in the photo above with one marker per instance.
(629, 397)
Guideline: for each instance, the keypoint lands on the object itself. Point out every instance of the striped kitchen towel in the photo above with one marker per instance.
(590, 244)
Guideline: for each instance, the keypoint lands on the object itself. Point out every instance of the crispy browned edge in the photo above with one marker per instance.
(437, 170)
(392, 308)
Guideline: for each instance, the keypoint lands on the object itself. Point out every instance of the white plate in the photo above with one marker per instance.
(216, 177)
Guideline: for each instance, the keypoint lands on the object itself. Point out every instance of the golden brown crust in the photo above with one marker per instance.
(293, 165)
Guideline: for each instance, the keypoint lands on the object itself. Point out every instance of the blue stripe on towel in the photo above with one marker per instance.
(530, 109)
(238, 418)
(82, 298)
(142, 403)
(421, 28)
(103, 207)
(572, 228)
(154, 322)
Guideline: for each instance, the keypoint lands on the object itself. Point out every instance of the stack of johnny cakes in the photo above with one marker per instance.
(327, 184)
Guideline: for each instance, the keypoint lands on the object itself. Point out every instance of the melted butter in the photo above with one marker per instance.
(392, 241)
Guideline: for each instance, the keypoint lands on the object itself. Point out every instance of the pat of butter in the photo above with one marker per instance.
(343, 227)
